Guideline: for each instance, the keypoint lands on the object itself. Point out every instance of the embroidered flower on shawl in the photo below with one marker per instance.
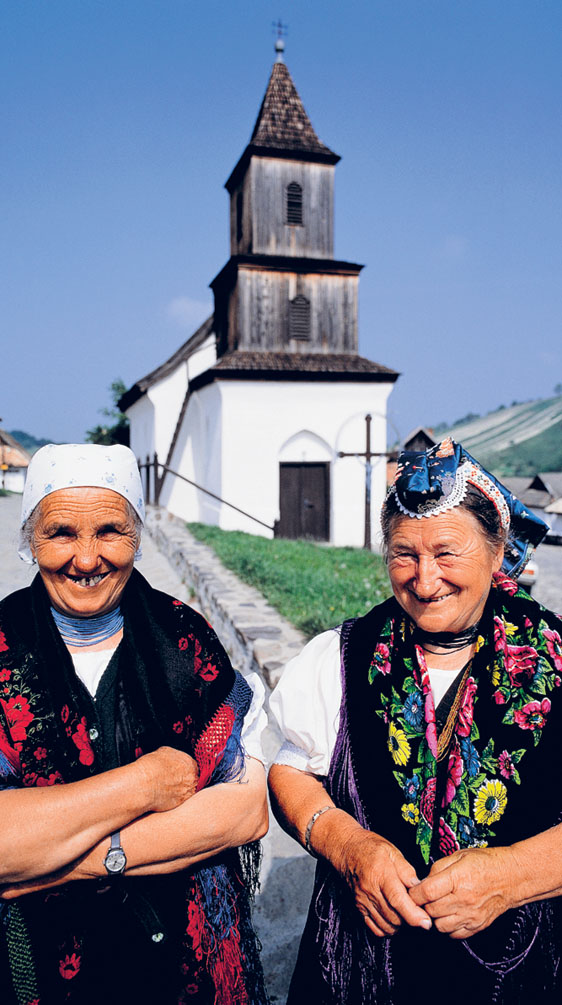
(467, 831)
(381, 660)
(448, 843)
(183, 644)
(499, 635)
(505, 583)
(19, 716)
(3, 644)
(521, 664)
(490, 802)
(533, 715)
(454, 773)
(413, 710)
(398, 745)
(553, 644)
(506, 765)
(410, 813)
(81, 739)
(412, 787)
(209, 672)
(54, 778)
(466, 711)
(427, 801)
(5, 674)
(69, 966)
(470, 757)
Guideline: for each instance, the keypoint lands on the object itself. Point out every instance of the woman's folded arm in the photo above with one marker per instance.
(45, 829)
(216, 818)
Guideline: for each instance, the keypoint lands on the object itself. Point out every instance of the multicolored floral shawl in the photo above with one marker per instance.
(184, 937)
(497, 785)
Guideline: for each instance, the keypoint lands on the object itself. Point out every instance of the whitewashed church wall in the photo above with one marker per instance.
(265, 423)
(167, 398)
(197, 456)
(203, 358)
(236, 433)
(141, 419)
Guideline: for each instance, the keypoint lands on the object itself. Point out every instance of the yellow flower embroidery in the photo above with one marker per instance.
(479, 643)
(496, 677)
(398, 745)
(490, 802)
(410, 813)
(510, 629)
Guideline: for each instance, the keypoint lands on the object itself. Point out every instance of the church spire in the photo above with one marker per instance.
(282, 122)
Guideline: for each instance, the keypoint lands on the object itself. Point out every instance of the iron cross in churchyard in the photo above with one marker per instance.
(367, 454)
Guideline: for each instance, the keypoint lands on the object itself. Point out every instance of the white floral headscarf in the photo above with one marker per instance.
(79, 465)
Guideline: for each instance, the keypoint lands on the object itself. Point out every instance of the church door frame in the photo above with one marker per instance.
(304, 500)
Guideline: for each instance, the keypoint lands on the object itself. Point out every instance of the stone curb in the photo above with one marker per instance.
(256, 636)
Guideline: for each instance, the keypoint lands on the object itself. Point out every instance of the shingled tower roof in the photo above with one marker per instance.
(282, 129)
(282, 122)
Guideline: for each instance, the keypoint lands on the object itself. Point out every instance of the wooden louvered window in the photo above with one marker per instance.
(294, 203)
(299, 318)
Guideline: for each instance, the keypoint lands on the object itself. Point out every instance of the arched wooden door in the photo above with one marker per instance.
(304, 501)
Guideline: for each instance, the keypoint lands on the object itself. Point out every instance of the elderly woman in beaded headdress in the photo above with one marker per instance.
(422, 759)
(126, 883)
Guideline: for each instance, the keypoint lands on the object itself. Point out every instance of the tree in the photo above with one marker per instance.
(558, 389)
(116, 431)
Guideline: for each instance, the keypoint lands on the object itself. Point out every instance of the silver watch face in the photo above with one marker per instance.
(115, 860)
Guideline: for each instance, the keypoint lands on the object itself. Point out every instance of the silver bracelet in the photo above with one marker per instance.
(310, 825)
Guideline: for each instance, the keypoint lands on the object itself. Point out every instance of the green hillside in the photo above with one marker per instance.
(519, 440)
(539, 453)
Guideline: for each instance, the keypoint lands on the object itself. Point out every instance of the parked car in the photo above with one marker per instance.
(529, 576)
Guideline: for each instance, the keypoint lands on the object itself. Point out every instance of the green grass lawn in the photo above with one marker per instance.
(312, 585)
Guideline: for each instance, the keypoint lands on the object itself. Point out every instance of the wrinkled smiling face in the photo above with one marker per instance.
(84, 541)
(441, 569)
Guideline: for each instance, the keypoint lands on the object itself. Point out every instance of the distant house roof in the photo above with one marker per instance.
(516, 484)
(283, 129)
(535, 498)
(12, 452)
(184, 352)
(294, 366)
(553, 481)
(554, 507)
(420, 439)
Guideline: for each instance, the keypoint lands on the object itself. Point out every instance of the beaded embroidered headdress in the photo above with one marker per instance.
(430, 482)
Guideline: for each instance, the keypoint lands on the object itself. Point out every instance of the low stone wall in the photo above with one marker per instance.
(254, 633)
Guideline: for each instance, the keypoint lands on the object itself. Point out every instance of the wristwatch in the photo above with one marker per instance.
(115, 860)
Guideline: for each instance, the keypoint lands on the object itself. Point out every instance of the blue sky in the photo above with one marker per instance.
(122, 119)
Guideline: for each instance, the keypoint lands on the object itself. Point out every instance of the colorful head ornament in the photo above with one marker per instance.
(79, 465)
(430, 482)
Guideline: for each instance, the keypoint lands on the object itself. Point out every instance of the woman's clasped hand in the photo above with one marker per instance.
(382, 882)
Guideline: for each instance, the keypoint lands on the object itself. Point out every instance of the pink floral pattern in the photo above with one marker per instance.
(525, 668)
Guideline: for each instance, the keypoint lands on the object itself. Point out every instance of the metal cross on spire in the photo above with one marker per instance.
(368, 454)
(280, 31)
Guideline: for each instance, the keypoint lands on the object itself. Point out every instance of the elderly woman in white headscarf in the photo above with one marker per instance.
(127, 781)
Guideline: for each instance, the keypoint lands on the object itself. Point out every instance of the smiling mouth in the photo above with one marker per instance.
(86, 581)
(432, 600)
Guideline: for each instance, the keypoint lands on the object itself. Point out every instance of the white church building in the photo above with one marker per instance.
(249, 417)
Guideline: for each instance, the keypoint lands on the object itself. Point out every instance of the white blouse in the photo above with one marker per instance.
(90, 668)
(306, 703)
